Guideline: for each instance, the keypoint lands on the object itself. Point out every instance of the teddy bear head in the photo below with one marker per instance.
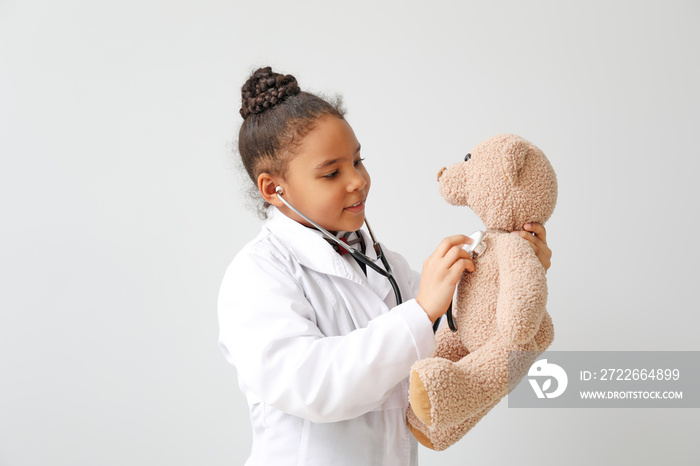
(506, 180)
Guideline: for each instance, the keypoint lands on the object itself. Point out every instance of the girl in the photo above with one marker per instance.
(321, 346)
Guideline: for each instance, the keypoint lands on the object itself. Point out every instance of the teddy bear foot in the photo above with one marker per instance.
(433, 393)
(441, 438)
(421, 437)
(419, 399)
(420, 431)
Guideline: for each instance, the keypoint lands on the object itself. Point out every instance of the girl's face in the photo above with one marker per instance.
(325, 179)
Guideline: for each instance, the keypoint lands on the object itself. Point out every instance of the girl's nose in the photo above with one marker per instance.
(357, 182)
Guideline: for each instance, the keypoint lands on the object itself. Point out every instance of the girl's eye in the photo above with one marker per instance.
(335, 173)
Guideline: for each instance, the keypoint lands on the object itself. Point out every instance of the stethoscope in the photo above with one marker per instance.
(477, 247)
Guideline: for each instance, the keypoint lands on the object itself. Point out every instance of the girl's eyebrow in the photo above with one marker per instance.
(332, 161)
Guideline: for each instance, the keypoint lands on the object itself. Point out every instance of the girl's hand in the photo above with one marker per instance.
(441, 273)
(537, 236)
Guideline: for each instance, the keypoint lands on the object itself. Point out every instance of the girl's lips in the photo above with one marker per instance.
(357, 208)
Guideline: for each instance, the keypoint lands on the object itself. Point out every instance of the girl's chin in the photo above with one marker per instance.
(356, 224)
(346, 222)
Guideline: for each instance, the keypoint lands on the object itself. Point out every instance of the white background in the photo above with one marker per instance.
(122, 205)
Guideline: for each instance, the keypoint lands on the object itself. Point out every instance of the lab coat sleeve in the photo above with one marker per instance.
(268, 331)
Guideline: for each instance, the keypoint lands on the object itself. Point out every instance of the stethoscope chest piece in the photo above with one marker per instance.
(477, 247)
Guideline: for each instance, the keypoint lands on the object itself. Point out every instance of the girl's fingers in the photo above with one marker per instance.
(459, 267)
(457, 253)
(539, 246)
(537, 249)
(531, 238)
(544, 260)
(455, 240)
(454, 253)
(538, 229)
(465, 263)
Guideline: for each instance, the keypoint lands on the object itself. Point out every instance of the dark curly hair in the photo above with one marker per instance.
(276, 116)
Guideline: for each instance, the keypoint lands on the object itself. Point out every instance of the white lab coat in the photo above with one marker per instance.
(321, 356)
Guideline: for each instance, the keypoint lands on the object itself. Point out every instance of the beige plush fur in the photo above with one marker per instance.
(500, 308)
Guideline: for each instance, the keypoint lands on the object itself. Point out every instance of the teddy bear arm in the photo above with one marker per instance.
(449, 345)
(545, 334)
(522, 296)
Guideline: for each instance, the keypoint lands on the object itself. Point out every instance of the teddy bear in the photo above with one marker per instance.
(499, 309)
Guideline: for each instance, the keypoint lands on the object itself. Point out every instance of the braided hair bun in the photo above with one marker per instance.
(276, 116)
(265, 89)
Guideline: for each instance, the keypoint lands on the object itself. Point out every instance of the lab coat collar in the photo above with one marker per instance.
(313, 251)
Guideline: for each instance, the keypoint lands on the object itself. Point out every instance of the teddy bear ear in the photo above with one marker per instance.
(514, 153)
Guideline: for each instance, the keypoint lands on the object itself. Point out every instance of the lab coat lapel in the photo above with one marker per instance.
(310, 248)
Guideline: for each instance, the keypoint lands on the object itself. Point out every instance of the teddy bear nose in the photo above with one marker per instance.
(440, 172)
(467, 157)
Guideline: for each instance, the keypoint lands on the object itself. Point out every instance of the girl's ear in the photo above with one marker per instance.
(267, 185)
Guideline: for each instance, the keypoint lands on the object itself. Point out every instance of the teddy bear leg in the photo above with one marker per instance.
(441, 438)
(450, 347)
(435, 388)
(443, 393)
(446, 437)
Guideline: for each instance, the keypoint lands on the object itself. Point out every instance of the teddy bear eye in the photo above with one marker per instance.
(467, 157)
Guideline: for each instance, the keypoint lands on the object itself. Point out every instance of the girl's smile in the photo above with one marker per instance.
(359, 207)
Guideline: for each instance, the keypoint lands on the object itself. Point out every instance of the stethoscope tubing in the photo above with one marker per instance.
(359, 256)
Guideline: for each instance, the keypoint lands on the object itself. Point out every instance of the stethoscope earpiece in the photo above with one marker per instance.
(279, 190)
